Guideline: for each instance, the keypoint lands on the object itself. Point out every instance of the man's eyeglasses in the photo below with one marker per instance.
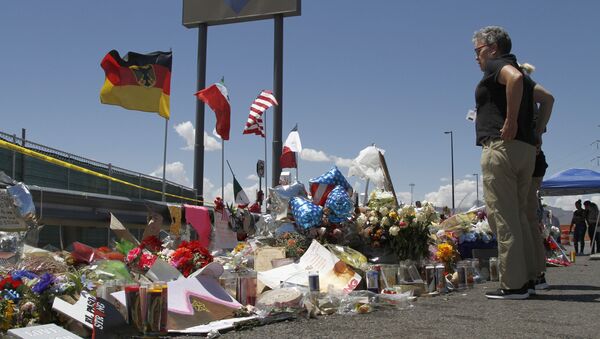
(478, 49)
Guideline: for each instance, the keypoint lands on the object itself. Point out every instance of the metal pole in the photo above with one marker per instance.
(266, 156)
(477, 188)
(412, 186)
(278, 89)
(23, 136)
(452, 165)
(223, 169)
(164, 181)
(14, 158)
(109, 181)
(199, 138)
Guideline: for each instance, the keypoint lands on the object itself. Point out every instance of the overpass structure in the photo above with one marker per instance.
(76, 206)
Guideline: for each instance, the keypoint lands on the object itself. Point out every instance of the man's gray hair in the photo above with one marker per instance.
(494, 35)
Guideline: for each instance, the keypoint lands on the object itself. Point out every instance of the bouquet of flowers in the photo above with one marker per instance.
(295, 244)
(189, 257)
(142, 257)
(448, 255)
(410, 235)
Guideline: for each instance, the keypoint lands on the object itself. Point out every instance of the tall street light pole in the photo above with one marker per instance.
(477, 189)
(452, 164)
(412, 186)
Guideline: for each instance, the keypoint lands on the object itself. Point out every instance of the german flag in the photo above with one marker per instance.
(139, 82)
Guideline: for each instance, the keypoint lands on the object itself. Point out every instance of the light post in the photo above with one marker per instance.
(452, 165)
(477, 189)
(412, 186)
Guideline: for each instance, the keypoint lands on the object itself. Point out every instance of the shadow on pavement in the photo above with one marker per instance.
(574, 288)
(586, 298)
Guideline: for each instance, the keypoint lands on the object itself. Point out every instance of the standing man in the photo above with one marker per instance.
(536, 253)
(591, 215)
(578, 221)
(505, 130)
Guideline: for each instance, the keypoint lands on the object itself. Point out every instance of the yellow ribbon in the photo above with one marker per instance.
(34, 154)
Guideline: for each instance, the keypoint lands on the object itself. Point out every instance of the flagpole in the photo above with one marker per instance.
(164, 182)
(266, 164)
(222, 169)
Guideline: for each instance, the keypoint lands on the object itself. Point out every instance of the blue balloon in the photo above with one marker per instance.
(306, 213)
(340, 205)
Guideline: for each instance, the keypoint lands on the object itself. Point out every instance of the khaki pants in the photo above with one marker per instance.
(507, 167)
(534, 254)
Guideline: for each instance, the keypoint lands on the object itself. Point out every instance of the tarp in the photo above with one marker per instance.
(574, 181)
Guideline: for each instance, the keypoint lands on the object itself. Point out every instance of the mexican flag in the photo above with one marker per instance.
(241, 199)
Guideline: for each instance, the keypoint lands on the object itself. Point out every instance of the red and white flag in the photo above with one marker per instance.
(255, 125)
(217, 98)
(291, 146)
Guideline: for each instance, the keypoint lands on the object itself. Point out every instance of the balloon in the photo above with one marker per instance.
(321, 186)
(340, 205)
(280, 198)
(306, 213)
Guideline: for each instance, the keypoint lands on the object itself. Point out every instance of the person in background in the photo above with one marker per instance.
(505, 129)
(591, 216)
(536, 258)
(578, 221)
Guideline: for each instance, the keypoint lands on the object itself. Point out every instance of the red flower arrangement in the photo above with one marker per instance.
(189, 257)
(10, 283)
(144, 256)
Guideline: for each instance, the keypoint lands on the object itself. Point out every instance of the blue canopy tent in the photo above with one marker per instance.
(574, 181)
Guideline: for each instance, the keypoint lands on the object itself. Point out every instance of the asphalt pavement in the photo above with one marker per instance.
(569, 309)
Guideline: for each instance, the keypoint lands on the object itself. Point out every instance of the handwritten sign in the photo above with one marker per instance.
(9, 220)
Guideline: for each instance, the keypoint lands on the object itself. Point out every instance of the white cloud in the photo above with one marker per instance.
(342, 162)
(444, 179)
(252, 177)
(175, 172)
(464, 195)
(187, 131)
(309, 154)
(212, 191)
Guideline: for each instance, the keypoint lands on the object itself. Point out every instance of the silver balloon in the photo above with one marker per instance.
(280, 196)
(23, 201)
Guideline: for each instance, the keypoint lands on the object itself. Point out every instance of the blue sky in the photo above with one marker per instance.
(394, 73)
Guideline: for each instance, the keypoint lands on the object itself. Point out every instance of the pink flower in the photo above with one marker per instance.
(402, 224)
(147, 260)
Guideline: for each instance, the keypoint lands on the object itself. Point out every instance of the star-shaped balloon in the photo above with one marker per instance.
(321, 186)
(340, 205)
(306, 213)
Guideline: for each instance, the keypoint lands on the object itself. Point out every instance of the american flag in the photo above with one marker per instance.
(254, 125)
(320, 187)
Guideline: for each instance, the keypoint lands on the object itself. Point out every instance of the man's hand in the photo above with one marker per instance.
(509, 130)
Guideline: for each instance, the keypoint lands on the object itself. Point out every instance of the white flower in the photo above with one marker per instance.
(373, 220)
(385, 221)
(421, 217)
(361, 220)
(384, 210)
(394, 230)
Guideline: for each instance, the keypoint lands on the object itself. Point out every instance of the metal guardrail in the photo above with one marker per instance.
(109, 168)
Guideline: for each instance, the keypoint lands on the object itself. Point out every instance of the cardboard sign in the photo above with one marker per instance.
(198, 217)
(9, 220)
(123, 233)
(262, 260)
(224, 238)
(48, 331)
